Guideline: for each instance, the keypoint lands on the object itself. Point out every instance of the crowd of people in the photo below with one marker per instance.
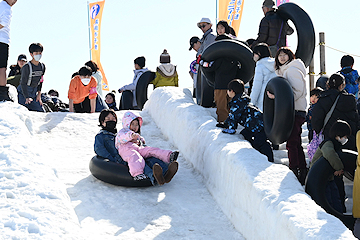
(332, 117)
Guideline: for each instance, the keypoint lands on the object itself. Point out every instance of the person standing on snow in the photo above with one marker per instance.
(208, 37)
(273, 29)
(166, 74)
(5, 17)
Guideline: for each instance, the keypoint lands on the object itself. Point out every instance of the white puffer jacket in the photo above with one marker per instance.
(295, 73)
(264, 71)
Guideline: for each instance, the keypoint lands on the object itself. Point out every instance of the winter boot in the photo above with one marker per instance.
(140, 177)
(302, 175)
(172, 169)
(158, 175)
(174, 156)
(4, 94)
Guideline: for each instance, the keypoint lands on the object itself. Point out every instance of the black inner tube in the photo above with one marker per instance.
(142, 86)
(305, 30)
(279, 113)
(114, 173)
(317, 180)
(204, 92)
(234, 50)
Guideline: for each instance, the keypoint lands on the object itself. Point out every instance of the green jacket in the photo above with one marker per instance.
(166, 75)
(327, 150)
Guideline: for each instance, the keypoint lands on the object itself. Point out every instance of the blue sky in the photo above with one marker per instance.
(135, 28)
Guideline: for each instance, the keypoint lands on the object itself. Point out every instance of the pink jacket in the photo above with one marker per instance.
(132, 153)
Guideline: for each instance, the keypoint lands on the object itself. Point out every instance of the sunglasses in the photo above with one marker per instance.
(202, 26)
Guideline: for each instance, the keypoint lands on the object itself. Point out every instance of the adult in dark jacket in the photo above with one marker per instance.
(345, 109)
(273, 29)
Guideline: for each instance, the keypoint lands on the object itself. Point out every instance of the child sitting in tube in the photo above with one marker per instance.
(130, 145)
(243, 112)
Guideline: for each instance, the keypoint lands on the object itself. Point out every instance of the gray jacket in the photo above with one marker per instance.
(207, 39)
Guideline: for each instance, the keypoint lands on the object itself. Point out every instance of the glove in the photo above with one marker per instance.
(229, 131)
(119, 90)
(140, 177)
(198, 59)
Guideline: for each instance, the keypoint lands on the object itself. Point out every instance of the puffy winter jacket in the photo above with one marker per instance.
(269, 30)
(244, 113)
(294, 72)
(345, 110)
(264, 71)
(166, 75)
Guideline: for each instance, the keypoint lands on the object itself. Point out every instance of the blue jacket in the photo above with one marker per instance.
(104, 146)
(351, 79)
(244, 113)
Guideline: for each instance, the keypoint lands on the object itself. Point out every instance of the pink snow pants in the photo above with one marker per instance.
(134, 156)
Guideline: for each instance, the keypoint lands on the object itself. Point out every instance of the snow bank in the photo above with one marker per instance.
(33, 202)
(263, 200)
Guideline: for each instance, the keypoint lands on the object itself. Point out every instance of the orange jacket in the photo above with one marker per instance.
(78, 92)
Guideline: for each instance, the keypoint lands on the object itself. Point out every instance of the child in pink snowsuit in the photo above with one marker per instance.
(129, 143)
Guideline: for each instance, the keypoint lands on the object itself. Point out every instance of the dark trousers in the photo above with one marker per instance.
(149, 163)
(293, 145)
(333, 197)
(83, 107)
(259, 142)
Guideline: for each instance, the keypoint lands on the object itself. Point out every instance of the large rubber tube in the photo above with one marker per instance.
(114, 173)
(317, 180)
(141, 88)
(204, 92)
(279, 113)
(126, 100)
(304, 28)
(234, 50)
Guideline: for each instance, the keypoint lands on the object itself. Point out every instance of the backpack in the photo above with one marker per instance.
(30, 72)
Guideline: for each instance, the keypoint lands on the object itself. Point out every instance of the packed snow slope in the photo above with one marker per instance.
(47, 191)
(263, 200)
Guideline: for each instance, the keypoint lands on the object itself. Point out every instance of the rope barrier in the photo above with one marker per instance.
(335, 49)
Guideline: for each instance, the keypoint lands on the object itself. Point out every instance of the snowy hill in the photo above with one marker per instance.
(47, 191)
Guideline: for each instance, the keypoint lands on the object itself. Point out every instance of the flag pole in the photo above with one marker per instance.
(216, 7)
(88, 11)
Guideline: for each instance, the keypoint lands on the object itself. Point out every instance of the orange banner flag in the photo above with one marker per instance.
(95, 16)
(231, 11)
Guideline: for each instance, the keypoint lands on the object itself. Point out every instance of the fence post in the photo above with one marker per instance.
(322, 53)
(311, 74)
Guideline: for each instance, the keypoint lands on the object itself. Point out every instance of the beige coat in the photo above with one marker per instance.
(294, 72)
(356, 188)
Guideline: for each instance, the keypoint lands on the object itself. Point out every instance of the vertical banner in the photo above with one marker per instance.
(279, 2)
(95, 15)
(231, 11)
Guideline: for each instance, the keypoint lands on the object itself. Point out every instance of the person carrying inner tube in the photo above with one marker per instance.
(338, 137)
(208, 37)
(273, 29)
(293, 70)
(139, 65)
(345, 109)
(225, 69)
(166, 74)
(247, 115)
(130, 145)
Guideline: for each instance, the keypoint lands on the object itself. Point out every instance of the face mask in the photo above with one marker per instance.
(343, 140)
(110, 126)
(85, 81)
(37, 57)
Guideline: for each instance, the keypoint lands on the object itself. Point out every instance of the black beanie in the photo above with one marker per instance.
(165, 57)
(140, 61)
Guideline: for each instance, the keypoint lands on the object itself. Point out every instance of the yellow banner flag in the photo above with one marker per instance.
(231, 11)
(95, 15)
